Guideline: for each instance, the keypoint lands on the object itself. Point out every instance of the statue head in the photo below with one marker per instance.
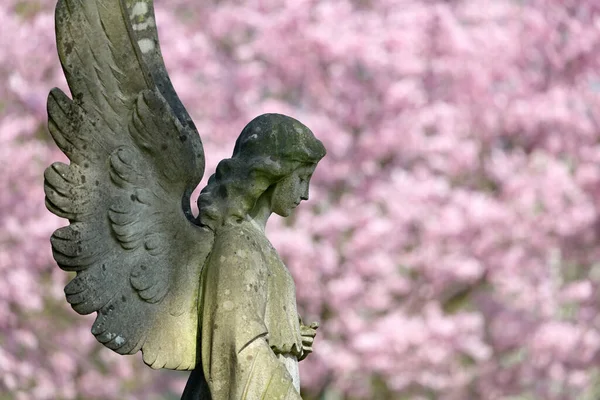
(272, 149)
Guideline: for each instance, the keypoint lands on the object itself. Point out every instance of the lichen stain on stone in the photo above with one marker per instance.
(144, 25)
(140, 8)
(248, 275)
(146, 45)
(149, 23)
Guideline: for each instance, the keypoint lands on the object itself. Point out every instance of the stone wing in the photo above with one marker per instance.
(135, 157)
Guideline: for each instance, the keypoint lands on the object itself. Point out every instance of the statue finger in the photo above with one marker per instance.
(306, 331)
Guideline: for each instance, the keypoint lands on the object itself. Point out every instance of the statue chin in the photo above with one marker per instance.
(286, 212)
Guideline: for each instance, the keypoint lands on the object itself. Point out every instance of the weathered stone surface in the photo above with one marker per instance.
(208, 294)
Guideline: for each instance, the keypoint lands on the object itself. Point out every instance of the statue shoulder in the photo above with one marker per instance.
(235, 270)
(239, 242)
(241, 235)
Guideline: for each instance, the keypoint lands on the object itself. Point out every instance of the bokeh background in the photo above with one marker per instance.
(451, 247)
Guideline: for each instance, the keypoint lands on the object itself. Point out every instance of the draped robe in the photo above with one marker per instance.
(251, 337)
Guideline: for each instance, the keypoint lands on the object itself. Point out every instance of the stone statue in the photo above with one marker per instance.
(207, 293)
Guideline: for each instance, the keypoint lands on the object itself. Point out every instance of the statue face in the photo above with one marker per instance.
(291, 190)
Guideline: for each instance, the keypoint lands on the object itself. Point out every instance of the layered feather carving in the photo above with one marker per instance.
(135, 157)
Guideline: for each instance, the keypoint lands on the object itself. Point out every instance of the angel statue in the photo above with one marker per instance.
(207, 293)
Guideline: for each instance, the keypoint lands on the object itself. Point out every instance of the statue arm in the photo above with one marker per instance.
(237, 359)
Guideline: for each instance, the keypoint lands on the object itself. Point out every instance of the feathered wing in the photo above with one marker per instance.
(135, 159)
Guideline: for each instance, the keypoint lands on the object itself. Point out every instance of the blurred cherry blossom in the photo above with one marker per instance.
(451, 246)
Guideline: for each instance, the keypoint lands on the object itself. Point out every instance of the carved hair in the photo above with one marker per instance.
(269, 148)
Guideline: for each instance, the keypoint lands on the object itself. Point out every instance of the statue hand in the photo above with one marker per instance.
(308, 336)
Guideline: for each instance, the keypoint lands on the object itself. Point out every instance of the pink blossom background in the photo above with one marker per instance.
(451, 246)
